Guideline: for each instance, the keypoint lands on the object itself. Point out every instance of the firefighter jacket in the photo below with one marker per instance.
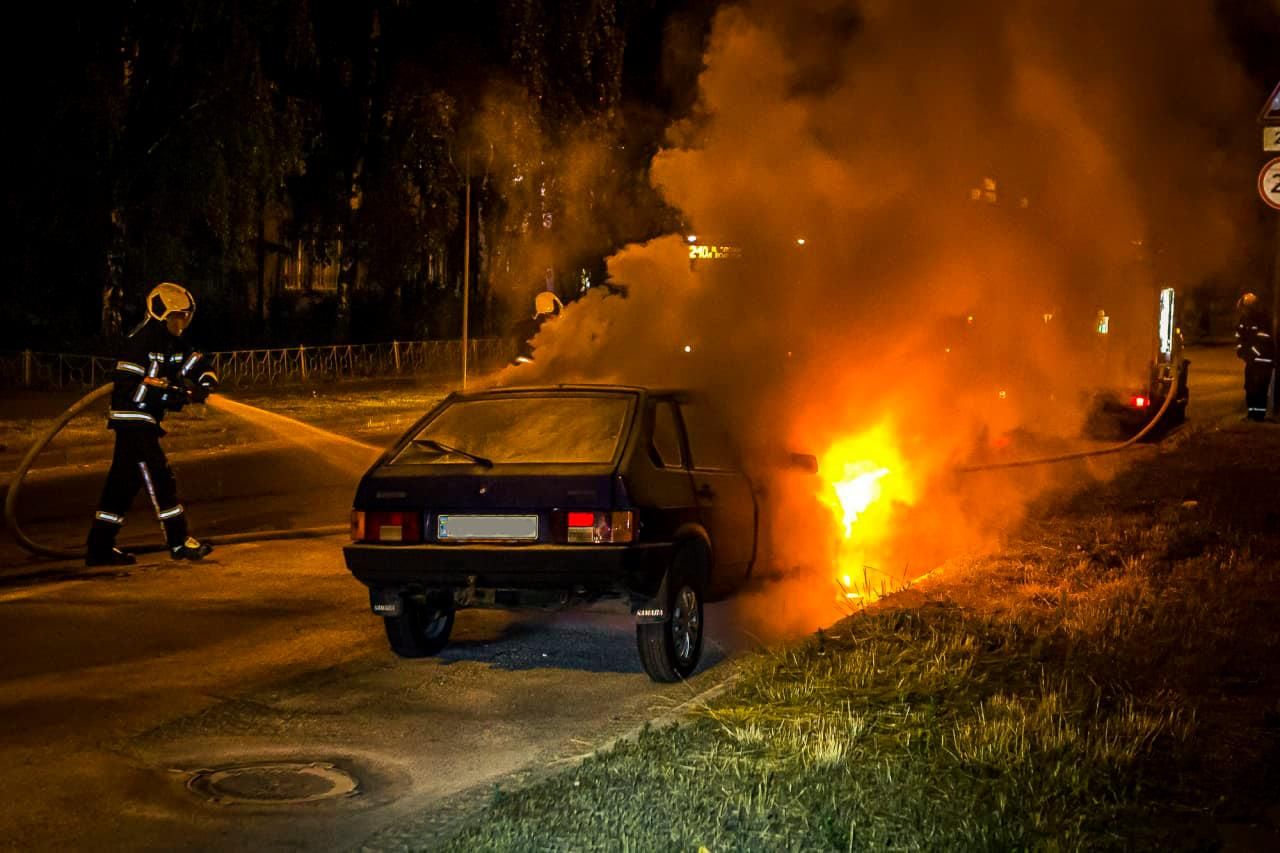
(1255, 345)
(158, 373)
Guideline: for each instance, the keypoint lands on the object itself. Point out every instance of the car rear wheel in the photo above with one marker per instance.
(670, 649)
(422, 630)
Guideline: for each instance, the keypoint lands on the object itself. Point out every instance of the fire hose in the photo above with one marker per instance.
(28, 544)
(1082, 454)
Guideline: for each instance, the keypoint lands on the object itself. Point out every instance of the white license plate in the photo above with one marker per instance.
(453, 528)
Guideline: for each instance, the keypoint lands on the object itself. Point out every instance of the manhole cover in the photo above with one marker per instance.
(277, 783)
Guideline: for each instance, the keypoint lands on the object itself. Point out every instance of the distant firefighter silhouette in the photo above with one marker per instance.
(158, 373)
(1258, 350)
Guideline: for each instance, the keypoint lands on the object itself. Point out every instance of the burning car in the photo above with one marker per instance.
(557, 495)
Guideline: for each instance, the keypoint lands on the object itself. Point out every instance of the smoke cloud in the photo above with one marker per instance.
(932, 203)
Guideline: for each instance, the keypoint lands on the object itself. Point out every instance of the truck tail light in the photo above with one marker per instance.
(585, 527)
(402, 528)
(1139, 402)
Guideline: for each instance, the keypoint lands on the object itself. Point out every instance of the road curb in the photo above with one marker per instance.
(438, 822)
(679, 715)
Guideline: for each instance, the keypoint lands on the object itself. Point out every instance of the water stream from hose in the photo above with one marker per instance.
(345, 453)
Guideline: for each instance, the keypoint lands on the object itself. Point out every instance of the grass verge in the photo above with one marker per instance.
(1109, 681)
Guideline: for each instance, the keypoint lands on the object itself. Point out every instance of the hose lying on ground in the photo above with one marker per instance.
(28, 544)
(1081, 454)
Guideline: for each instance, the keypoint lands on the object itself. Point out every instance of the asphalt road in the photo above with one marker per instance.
(118, 687)
(267, 486)
(1217, 384)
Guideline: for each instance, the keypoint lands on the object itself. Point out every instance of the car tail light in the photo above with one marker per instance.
(395, 527)
(586, 527)
(1139, 402)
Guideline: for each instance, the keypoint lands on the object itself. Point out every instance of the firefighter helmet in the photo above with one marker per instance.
(546, 302)
(1249, 300)
(168, 298)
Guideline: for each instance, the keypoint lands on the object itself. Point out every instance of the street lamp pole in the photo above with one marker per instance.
(1275, 320)
(466, 273)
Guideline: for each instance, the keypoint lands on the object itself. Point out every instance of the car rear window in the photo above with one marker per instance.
(550, 429)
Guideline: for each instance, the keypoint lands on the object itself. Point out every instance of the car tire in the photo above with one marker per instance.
(670, 649)
(420, 631)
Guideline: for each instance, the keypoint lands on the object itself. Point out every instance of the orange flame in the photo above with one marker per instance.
(864, 477)
(858, 492)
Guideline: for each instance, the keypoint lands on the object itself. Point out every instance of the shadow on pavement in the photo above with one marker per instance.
(76, 571)
(585, 647)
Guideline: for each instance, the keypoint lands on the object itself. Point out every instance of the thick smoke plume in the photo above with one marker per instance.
(972, 184)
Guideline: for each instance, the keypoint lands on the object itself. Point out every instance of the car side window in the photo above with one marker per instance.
(666, 437)
(709, 444)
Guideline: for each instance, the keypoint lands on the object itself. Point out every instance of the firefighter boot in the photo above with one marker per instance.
(191, 549)
(181, 545)
(101, 548)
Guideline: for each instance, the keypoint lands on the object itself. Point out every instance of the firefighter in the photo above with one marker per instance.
(1258, 351)
(545, 306)
(158, 373)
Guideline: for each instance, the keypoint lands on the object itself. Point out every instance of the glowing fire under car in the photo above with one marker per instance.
(864, 477)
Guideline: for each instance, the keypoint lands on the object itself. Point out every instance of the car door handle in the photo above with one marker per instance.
(705, 491)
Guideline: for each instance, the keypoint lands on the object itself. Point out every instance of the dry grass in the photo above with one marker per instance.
(1104, 692)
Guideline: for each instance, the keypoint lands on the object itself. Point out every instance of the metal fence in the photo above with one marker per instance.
(240, 368)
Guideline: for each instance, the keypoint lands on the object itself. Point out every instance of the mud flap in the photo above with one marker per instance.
(651, 609)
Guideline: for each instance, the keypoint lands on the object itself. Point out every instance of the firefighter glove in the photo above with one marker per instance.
(204, 386)
(177, 397)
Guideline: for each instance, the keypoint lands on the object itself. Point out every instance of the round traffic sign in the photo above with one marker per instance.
(1269, 183)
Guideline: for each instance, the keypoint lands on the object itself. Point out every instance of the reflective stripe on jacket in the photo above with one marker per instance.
(153, 360)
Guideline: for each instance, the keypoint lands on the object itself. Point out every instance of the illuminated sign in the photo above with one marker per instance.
(708, 252)
(1269, 183)
(1166, 322)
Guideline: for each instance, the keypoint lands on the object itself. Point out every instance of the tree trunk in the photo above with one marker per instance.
(113, 279)
(483, 291)
(346, 282)
(261, 257)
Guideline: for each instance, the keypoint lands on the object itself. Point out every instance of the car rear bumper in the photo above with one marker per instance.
(597, 570)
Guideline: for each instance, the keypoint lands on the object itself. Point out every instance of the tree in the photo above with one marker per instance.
(184, 130)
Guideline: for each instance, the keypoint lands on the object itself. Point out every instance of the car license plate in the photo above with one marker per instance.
(453, 528)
